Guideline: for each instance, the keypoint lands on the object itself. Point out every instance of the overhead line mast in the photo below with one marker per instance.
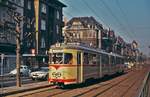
(36, 6)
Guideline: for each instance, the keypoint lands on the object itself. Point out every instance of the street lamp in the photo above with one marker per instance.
(149, 48)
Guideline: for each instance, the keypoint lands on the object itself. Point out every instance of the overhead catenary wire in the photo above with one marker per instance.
(125, 18)
(94, 12)
(114, 16)
(69, 14)
(97, 15)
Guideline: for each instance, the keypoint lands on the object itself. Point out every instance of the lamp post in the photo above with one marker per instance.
(149, 55)
(149, 49)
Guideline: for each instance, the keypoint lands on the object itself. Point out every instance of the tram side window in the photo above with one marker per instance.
(85, 58)
(122, 61)
(78, 58)
(98, 59)
(113, 60)
(92, 59)
(119, 60)
(105, 59)
(68, 58)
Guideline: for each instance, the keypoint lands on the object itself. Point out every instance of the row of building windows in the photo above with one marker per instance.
(43, 9)
(43, 45)
(43, 23)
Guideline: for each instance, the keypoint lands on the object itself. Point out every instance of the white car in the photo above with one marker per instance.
(24, 71)
(42, 73)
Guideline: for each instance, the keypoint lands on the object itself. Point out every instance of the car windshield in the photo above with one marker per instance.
(44, 69)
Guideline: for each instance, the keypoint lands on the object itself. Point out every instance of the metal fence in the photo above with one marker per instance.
(144, 92)
(7, 63)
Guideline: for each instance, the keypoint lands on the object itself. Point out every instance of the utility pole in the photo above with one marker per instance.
(36, 7)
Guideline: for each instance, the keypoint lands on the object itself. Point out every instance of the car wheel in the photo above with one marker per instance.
(33, 78)
(21, 74)
(46, 77)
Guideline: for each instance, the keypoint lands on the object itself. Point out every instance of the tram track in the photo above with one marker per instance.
(86, 90)
(52, 92)
(103, 89)
(122, 87)
(47, 93)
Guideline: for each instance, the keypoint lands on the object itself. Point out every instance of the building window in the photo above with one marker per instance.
(29, 5)
(57, 14)
(28, 22)
(43, 24)
(42, 42)
(43, 8)
(78, 35)
(34, 25)
(18, 2)
(57, 29)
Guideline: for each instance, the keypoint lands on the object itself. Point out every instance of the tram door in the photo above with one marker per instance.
(79, 67)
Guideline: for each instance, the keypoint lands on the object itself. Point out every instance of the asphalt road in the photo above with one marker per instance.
(8, 81)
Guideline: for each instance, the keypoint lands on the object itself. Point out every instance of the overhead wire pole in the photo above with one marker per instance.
(36, 7)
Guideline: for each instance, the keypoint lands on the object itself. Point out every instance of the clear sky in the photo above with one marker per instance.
(128, 18)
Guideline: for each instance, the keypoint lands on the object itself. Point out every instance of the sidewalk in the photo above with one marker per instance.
(27, 87)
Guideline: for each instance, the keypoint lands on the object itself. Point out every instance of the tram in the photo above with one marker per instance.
(74, 63)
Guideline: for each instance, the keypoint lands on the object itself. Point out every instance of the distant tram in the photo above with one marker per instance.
(74, 63)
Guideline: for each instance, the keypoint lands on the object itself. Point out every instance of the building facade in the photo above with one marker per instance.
(85, 30)
(7, 31)
(50, 27)
(50, 24)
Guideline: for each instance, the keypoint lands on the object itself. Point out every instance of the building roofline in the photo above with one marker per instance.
(63, 5)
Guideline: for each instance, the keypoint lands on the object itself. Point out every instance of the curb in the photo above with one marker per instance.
(24, 90)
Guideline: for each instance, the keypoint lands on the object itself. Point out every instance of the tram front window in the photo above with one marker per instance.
(62, 58)
(57, 58)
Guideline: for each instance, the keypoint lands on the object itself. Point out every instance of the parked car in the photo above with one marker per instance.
(41, 73)
(24, 71)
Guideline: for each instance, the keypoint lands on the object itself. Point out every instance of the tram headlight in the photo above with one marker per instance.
(56, 74)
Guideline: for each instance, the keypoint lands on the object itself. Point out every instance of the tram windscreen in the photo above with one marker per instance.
(61, 58)
(57, 58)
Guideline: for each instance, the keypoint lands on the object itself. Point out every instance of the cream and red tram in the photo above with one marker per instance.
(74, 63)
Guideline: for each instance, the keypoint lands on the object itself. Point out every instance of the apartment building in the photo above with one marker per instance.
(85, 30)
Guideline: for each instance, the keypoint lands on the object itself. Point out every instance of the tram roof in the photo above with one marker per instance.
(81, 46)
